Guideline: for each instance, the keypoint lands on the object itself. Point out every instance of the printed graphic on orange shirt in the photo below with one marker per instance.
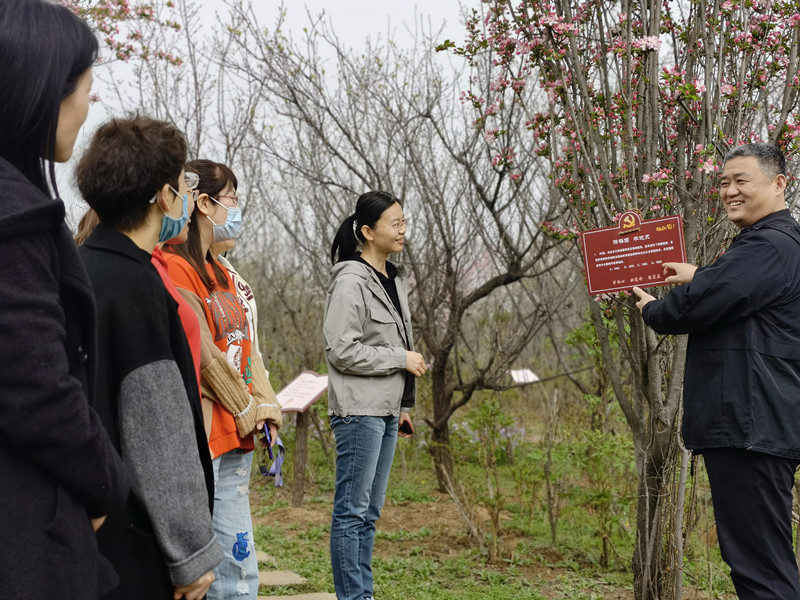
(230, 321)
(244, 289)
(248, 372)
(234, 356)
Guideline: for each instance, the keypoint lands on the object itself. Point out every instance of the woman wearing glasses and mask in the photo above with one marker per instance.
(162, 543)
(238, 400)
(372, 368)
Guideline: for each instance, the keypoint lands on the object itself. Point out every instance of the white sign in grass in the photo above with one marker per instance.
(523, 376)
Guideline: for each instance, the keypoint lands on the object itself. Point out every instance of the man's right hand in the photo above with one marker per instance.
(415, 364)
(680, 273)
(195, 590)
(643, 296)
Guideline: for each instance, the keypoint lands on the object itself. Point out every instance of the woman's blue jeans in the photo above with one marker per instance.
(364, 452)
(237, 575)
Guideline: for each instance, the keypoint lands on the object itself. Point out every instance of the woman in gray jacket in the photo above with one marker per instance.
(371, 380)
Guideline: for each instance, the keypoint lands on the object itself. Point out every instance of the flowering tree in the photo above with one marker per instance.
(189, 87)
(119, 23)
(637, 103)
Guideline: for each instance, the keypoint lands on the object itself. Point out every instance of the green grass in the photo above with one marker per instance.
(401, 535)
(403, 492)
(419, 555)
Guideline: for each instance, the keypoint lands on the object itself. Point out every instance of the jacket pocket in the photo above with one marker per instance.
(385, 392)
(381, 327)
(704, 387)
(62, 527)
(379, 313)
(775, 409)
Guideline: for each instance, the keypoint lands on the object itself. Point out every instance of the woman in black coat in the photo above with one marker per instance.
(60, 473)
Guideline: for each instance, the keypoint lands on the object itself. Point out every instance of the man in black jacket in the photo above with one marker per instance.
(742, 381)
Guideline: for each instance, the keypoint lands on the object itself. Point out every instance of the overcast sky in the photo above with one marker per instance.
(353, 21)
(356, 19)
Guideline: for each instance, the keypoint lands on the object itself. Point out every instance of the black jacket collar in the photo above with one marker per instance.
(780, 217)
(111, 240)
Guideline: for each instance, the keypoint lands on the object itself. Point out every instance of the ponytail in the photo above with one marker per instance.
(345, 243)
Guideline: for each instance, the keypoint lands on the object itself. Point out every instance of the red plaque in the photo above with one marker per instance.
(630, 254)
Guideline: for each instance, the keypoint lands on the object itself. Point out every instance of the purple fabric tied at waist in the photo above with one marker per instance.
(277, 458)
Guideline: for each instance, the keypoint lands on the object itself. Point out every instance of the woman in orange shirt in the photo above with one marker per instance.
(237, 397)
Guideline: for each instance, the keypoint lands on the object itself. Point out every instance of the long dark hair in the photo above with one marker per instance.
(369, 208)
(86, 226)
(44, 50)
(214, 177)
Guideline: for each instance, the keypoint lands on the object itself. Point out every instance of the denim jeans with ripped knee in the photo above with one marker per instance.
(236, 577)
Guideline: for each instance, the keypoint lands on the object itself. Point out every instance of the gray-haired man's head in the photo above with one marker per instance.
(771, 160)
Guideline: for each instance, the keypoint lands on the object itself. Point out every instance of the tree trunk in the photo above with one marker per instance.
(678, 525)
(442, 457)
(300, 458)
(651, 563)
(440, 430)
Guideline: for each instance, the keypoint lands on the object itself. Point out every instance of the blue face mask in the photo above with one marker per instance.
(171, 227)
(232, 226)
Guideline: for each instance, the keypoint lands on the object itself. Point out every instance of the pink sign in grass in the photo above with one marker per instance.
(302, 391)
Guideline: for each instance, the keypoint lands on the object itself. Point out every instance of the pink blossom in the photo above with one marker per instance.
(708, 166)
(499, 84)
(660, 177)
(492, 109)
(650, 42)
